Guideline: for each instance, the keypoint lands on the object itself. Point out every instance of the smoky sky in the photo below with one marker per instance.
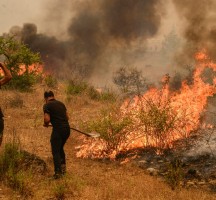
(96, 30)
(199, 25)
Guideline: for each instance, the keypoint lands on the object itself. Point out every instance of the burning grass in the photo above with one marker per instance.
(157, 118)
(86, 179)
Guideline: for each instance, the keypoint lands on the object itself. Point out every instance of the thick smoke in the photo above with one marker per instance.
(99, 34)
(199, 26)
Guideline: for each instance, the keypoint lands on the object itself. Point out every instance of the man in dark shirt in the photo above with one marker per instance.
(55, 113)
(6, 78)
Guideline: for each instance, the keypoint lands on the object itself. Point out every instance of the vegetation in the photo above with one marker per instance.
(18, 57)
(79, 87)
(175, 174)
(158, 121)
(50, 81)
(11, 171)
(130, 80)
(86, 178)
(113, 129)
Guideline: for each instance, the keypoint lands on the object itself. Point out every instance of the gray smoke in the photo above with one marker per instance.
(99, 33)
(199, 26)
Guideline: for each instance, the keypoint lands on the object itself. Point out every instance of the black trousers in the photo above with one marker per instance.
(1, 129)
(58, 140)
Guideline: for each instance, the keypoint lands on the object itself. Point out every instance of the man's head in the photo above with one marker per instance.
(48, 95)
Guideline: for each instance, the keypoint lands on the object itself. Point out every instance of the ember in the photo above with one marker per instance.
(160, 116)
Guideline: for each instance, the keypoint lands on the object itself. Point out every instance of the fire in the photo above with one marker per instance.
(161, 116)
(34, 68)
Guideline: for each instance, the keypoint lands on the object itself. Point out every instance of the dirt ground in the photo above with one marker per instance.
(86, 179)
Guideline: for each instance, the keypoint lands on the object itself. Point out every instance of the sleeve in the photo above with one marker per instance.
(46, 109)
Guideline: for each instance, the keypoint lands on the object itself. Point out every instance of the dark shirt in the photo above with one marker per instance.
(57, 111)
(1, 113)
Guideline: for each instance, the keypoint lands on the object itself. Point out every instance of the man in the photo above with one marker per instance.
(55, 113)
(6, 78)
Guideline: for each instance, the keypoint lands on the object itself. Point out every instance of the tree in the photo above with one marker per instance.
(18, 57)
(130, 80)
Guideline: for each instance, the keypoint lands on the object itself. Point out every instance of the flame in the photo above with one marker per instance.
(184, 107)
(34, 68)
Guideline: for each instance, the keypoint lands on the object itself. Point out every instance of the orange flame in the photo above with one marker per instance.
(34, 68)
(187, 104)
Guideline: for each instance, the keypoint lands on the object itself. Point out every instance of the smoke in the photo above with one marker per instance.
(199, 28)
(98, 35)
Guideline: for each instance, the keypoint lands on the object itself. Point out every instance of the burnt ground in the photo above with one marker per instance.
(191, 163)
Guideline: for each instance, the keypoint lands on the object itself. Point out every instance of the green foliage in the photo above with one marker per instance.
(157, 121)
(10, 161)
(17, 54)
(59, 191)
(175, 173)
(112, 127)
(106, 95)
(24, 82)
(93, 93)
(50, 81)
(75, 87)
(130, 80)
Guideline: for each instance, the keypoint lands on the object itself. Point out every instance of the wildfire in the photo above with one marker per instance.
(161, 116)
(35, 68)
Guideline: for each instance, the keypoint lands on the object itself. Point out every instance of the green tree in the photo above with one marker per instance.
(17, 54)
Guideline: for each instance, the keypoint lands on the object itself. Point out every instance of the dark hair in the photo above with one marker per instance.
(48, 94)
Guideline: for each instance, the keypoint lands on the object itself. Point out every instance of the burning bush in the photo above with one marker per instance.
(158, 117)
(113, 129)
(22, 63)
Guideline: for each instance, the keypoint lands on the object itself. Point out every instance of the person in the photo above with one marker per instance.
(56, 113)
(5, 79)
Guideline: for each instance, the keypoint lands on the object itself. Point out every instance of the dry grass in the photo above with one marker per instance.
(86, 179)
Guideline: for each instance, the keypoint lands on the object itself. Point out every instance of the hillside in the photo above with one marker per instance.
(86, 179)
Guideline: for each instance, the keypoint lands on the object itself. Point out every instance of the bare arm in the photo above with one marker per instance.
(7, 74)
(46, 119)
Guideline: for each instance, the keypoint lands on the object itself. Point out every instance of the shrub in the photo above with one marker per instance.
(93, 93)
(158, 121)
(75, 87)
(10, 172)
(18, 58)
(59, 191)
(130, 80)
(175, 173)
(50, 81)
(23, 83)
(113, 130)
